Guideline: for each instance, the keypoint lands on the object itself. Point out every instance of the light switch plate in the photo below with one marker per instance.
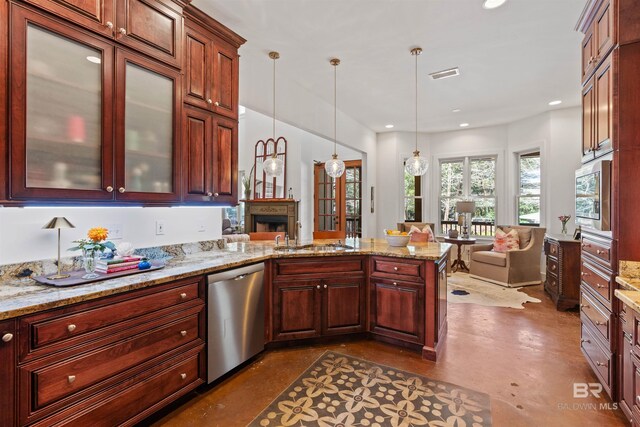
(160, 228)
(115, 231)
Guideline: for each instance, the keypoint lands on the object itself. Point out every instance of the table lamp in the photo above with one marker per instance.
(465, 207)
(58, 222)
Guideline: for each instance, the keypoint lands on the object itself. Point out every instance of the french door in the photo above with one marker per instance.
(338, 202)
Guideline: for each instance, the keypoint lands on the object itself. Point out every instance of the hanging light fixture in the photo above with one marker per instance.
(416, 165)
(273, 166)
(335, 166)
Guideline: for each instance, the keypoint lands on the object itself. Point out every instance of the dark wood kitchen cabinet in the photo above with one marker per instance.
(135, 352)
(8, 343)
(562, 278)
(397, 309)
(320, 296)
(70, 90)
(597, 112)
(211, 70)
(210, 153)
(153, 27)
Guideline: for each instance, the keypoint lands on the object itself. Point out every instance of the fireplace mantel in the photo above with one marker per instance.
(270, 207)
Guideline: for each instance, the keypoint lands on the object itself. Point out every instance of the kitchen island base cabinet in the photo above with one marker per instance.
(134, 352)
(397, 310)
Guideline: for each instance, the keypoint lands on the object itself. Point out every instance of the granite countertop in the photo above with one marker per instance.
(20, 296)
(630, 298)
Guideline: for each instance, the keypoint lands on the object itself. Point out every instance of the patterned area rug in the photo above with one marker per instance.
(338, 390)
(466, 290)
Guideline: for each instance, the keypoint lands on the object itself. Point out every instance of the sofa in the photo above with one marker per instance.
(520, 267)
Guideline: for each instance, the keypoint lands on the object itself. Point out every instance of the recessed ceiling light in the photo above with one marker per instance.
(556, 102)
(456, 110)
(492, 4)
(388, 126)
(464, 125)
(94, 59)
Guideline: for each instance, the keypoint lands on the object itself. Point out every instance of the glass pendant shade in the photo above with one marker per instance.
(334, 167)
(417, 165)
(273, 167)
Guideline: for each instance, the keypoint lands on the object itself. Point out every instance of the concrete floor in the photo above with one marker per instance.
(526, 360)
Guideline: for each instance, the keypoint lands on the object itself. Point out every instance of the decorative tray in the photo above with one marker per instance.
(75, 277)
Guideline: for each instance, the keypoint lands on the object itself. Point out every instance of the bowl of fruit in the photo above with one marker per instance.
(397, 238)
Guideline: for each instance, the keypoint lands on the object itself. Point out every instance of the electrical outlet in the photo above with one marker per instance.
(160, 229)
(115, 231)
(202, 227)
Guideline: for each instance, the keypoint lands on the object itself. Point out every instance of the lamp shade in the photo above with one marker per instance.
(465, 207)
(273, 166)
(58, 222)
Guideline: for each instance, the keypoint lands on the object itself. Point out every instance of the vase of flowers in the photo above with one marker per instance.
(92, 247)
(564, 219)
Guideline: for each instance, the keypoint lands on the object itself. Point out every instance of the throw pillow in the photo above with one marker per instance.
(505, 242)
(424, 235)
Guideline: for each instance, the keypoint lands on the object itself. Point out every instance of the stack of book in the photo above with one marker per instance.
(115, 265)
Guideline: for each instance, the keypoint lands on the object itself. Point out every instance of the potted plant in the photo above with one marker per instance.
(246, 184)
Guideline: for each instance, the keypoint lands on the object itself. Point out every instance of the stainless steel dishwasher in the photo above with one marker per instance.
(235, 318)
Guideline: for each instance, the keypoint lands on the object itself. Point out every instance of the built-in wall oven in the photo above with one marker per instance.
(593, 195)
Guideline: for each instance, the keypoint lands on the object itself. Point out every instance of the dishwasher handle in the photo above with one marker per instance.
(240, 277)
(235, 273)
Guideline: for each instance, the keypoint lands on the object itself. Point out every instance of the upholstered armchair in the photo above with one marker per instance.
(520, 267)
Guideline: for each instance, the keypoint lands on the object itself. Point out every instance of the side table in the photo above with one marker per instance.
(458, 264)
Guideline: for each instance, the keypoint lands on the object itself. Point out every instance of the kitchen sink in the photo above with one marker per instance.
(315, 248)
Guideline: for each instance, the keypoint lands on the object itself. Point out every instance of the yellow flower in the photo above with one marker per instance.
(97, 234)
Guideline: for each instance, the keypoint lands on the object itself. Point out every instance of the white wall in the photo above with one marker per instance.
(23, 239)
(556, 133)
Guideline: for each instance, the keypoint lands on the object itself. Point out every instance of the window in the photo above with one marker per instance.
(528, 199)
(468, 178)
(412, 198)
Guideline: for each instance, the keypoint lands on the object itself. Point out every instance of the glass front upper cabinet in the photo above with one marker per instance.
(61, 128)
(146, 97)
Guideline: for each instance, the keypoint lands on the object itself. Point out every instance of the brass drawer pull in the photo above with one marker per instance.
(599, 252)
(183, 295)
(638, 399)
(317, 286)
(71, 327)
(553, 267)
(7, 337)
(599, 323)
(71, 379)
(325, 286)
(598, 363)
(395, 283)
(183, 333)
(585, 306)
(600, 286)
(395, 268)
(584, 273)
(183, 376)
(587, 341)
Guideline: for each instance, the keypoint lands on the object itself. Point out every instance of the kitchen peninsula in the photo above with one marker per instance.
(77, 351)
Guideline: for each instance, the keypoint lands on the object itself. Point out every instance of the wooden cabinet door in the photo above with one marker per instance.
(603, 108)
(198, 68)
(197, 155)
(61, 111)
(8, 344)
(397, 310)
(343, 305)
(225, 161)
(626, 374)
(588, 131)
(296, 310)
(96, 15)
(147, 129)
(588, 54)
(151, 27)
(225, 79)
(605, 30)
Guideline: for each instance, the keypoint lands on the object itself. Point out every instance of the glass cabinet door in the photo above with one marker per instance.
(62, 111)
(146, 129)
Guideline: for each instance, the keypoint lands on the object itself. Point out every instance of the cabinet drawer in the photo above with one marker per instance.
(600, 250)
(394, 268)
(136, 398)
(626, 318)
(72, 325)
(552, 266)
(599, 359)
(551, 282)
(554, 249)
(597, 315)
(317, 266)
(54, 382)
(599, 281)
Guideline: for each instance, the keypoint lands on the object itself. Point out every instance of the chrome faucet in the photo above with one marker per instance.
(297, 231)
(277, 240)
(286, 239)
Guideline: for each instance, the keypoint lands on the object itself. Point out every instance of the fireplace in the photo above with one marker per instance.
(270, 215)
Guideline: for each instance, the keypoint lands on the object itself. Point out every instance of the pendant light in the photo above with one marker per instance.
(273, 166)
(416, 165)
(335, 166)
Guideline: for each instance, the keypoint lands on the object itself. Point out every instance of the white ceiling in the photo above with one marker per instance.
(513, 60)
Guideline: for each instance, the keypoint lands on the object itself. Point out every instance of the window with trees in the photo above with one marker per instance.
(528, 198)
(412, 198)
(468, 178)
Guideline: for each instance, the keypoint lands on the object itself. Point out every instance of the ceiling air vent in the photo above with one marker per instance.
(451, 72)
